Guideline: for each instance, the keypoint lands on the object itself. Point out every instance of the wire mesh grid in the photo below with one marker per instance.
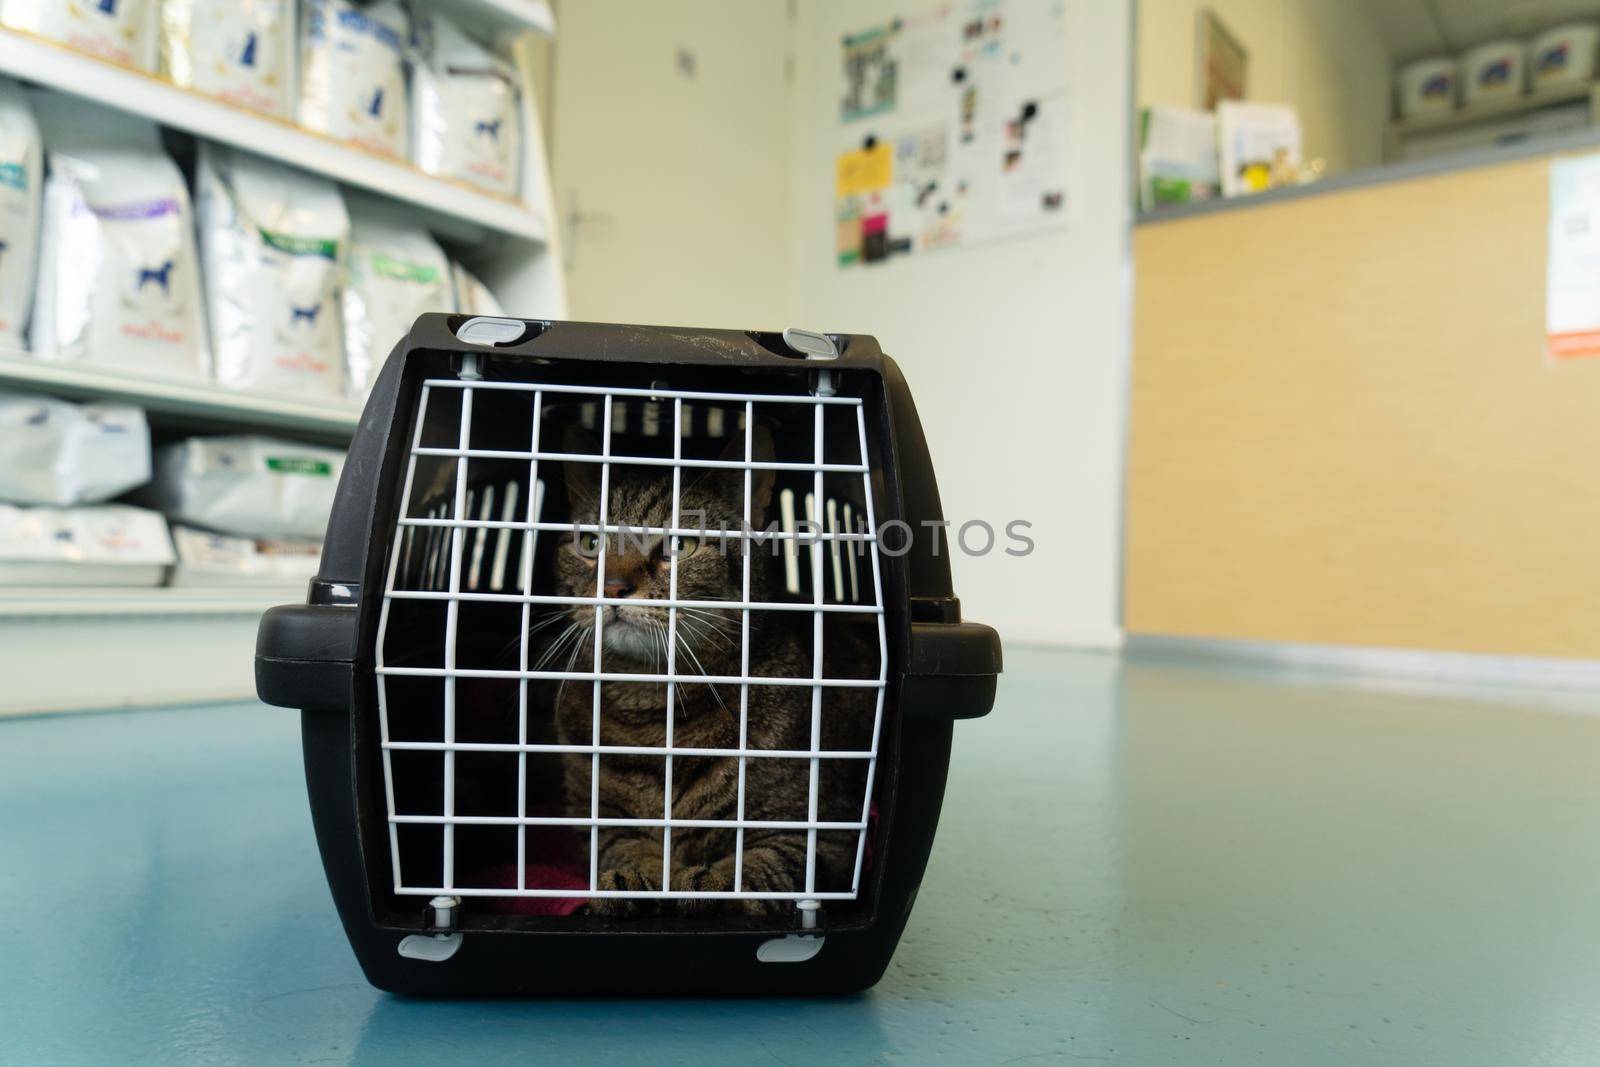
(455, 555)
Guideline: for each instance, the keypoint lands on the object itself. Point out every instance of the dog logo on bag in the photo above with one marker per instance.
(490, 130)
(307, 315)
(156, 291)
(161, 276)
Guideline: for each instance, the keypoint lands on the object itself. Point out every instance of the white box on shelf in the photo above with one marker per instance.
(1564, 55)
(1494, 71)
(1428, 86)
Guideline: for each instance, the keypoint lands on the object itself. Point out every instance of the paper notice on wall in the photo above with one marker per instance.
(953, 126)
(1032, 185)
(871, 73)
(1572, 285)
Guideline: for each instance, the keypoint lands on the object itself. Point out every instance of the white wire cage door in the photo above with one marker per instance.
(496, 681)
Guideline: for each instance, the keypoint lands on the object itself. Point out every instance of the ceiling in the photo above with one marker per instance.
(1414, 28)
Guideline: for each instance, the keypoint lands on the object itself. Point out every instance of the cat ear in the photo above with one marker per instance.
(761, 481)
(583, 479)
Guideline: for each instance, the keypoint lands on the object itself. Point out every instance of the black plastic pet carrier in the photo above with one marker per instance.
(632, 662)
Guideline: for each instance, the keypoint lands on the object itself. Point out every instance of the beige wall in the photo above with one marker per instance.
(1325, 57)
(1364, 444)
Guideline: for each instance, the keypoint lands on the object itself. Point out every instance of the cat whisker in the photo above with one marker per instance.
(549, 618)
(697, 666)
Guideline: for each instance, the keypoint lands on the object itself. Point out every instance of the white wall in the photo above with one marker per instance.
(683, 176)
(1325, 57)
(1016, 351)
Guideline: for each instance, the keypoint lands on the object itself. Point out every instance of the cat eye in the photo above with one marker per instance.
(685, 546)
(588, 543)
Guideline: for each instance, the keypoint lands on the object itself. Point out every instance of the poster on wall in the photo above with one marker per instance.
(1572, 276)
(953, 128)
(1221, 63)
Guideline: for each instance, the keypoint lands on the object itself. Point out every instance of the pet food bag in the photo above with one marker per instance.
(465, 120)
(272, 241)
(122, 31)
(101, 546)
(119, 283)
(397, 272)
(352, 73)
(252, 486)
(21, 174)
(55, 452)
(472, 296)
(213, 559)
(240, 51)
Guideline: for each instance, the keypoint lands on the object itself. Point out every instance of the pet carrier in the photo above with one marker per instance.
(632, 663)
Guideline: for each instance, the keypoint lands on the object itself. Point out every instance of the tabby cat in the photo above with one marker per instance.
(634, 639)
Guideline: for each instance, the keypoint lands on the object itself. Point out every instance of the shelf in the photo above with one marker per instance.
(80, 601)
(202, 402)
(1490, 110)
(532, 15)
(37, 60)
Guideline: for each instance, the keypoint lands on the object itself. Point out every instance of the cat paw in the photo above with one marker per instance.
(700, 879)
(620, 880)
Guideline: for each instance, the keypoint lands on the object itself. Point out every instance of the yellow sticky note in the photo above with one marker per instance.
(864, 170)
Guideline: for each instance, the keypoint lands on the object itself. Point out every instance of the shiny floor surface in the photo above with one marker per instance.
(1138, 864)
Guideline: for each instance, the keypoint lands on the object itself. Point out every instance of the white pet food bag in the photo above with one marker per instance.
(272, 241)
(21, 181)
(119, 281)
(472, 296)
(213, 559)
(240, 51)
(397, 272)
(466, 124)
(252, 486)
(352, 81)
(55, 452)
(122, 31)
(110, 545)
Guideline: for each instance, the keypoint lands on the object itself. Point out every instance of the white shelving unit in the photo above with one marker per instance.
(80, 648)
(1498, 116)
(203, 404)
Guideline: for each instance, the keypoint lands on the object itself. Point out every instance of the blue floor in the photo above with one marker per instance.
(1138, 864)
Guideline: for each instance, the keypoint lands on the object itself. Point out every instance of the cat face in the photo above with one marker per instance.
(638, 565)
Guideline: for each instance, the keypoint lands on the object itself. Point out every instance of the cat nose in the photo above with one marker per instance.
(618, 587)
